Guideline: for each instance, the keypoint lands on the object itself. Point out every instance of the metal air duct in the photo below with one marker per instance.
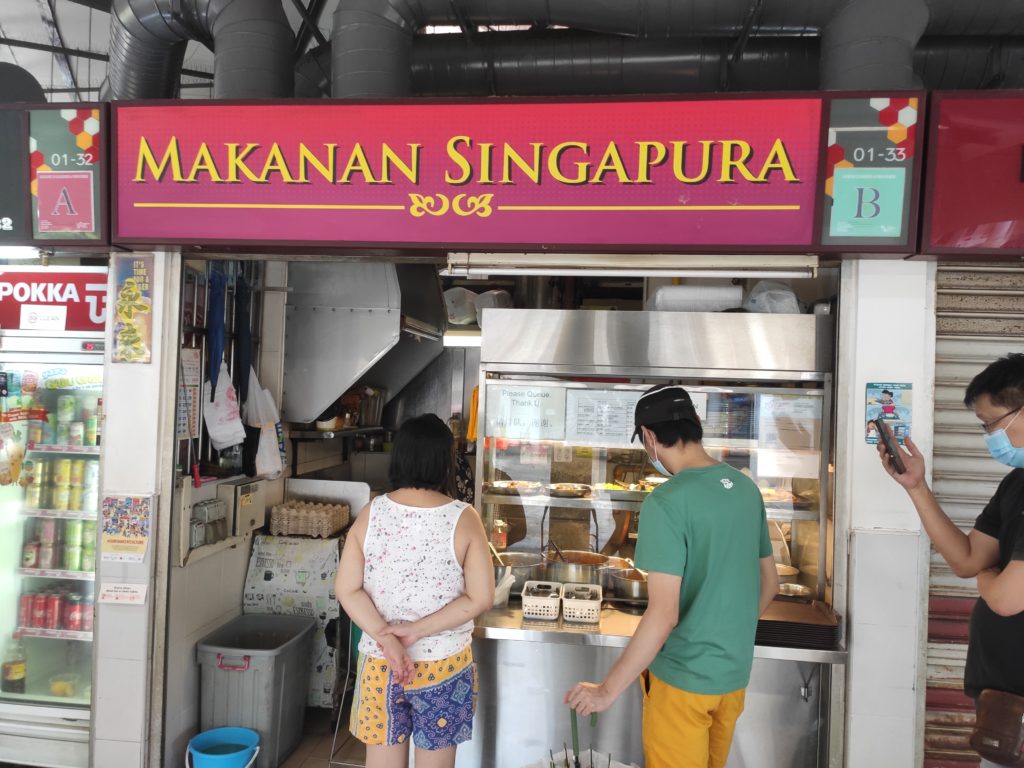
(868, 45)
(251, 39)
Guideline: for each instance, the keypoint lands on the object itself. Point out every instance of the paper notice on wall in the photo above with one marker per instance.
(525, 412)
(604, 417)
(190, 381)
(294, 576)
(123, 594)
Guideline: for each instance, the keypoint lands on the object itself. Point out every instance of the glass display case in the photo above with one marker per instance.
(558, 470)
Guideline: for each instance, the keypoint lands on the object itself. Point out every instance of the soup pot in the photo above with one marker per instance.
(578, 567)
(525, 566)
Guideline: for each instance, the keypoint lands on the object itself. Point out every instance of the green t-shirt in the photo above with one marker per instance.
(707, 525)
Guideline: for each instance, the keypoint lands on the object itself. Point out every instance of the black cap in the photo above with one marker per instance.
(667, 402)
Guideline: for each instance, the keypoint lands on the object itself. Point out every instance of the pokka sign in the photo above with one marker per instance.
(636, 174)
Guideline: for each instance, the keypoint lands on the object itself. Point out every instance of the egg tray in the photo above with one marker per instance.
(308, 518)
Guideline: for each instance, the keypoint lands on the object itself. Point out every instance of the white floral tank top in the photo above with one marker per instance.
(411, 571)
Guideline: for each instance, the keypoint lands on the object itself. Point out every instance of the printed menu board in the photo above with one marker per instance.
(604, 417)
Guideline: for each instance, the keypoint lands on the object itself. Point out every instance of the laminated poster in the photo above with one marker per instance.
(891, 402)
(126, 521)
(133, 307)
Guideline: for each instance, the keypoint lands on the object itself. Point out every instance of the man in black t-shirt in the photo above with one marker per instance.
(994, 551)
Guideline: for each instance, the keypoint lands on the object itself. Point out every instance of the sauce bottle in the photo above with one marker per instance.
(14, 669)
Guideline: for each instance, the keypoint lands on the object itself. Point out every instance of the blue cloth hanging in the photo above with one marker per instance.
(215, 324)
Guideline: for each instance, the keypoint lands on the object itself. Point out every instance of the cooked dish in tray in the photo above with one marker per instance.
(568, 490)
(514, 487)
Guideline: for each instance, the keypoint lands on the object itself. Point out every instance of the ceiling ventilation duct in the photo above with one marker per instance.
(251, 39)
(18, 85)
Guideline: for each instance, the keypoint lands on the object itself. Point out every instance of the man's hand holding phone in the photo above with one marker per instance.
(906, 466)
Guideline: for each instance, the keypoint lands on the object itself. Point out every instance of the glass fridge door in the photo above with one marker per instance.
(49, 502)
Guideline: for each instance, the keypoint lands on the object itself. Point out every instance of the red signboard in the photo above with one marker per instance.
(43, 299)
(975, 196)
(712, 173)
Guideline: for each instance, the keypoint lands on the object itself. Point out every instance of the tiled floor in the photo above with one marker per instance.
(315, 749)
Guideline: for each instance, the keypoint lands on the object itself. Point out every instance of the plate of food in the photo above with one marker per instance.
(514, 488)
(619, 492)
(568, 490)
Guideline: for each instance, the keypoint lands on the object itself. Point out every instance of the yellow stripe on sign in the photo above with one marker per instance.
(275, 206)
(648, 207)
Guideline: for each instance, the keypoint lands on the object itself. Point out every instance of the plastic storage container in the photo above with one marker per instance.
(254, 672)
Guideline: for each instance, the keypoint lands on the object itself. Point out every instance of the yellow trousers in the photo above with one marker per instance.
(687, 730)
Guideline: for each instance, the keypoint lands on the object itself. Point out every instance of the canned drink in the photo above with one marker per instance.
(91, 477)
(89, 407)
(87, 613)
(74, 497)
(30, 555)
(73, 612)
(48, 531)
(39, 610)
(62, 473)
(67, 408)
(90, 431)
(72, 533)
(89, 534)
(54, 610)
(25, 609)
(47, 556)
(76, 433)
(90, 499)
(34, 496)
(35, 432)
(72, 558)
(63, 435)
(77, 472)
(88, 559)
(38, 470)
(49, 433)
(61, 500)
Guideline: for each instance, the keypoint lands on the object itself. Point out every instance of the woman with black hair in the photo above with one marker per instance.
(415, 572)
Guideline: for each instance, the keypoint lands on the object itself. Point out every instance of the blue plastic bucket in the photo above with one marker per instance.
(223, 748)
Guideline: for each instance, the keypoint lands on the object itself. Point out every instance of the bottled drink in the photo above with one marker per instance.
(14, 669)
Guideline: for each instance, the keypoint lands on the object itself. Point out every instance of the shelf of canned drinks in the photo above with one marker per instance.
(51, 573)
(85, 450)
(60, 514)
(55, 634)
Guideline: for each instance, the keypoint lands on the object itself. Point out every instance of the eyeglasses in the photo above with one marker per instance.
(987, 426)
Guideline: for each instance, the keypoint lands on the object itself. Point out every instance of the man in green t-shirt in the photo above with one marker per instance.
(704, 541)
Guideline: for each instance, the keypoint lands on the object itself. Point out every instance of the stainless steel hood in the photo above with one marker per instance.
(357, 323)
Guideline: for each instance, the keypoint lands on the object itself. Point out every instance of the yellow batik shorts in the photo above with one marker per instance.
(436, 709)
(687, 730)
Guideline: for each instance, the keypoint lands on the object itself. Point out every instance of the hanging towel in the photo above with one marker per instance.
(473, 406)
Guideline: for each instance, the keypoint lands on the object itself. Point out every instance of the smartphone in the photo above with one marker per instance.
(891, 446)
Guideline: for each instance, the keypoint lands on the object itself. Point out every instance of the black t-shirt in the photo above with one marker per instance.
(995, 652)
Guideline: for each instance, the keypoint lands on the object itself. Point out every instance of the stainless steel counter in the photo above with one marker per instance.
(615, 629)
(525, 668)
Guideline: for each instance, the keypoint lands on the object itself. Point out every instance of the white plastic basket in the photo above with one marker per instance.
(584, 611)
(545, 608)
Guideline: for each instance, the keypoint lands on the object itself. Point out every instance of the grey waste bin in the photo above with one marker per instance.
(254, 673)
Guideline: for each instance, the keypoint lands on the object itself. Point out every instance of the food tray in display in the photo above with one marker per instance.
(620, 494)
(542, 607)
(513, 488)
(568, 490)
(583, 610)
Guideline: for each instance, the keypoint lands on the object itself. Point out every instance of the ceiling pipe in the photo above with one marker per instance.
(570, 63)
(251, 39)
(867, 46)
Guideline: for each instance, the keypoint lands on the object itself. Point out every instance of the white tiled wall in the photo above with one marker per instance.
(886, 334)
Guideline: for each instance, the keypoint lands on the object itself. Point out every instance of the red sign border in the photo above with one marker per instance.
(421, 250)
(928, 193)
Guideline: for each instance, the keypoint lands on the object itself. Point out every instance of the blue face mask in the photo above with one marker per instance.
(1002, 450)
(656, 462)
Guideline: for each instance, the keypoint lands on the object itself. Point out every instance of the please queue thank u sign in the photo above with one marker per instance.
(601, 174)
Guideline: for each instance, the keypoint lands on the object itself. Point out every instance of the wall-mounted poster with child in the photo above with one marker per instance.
(893, 403)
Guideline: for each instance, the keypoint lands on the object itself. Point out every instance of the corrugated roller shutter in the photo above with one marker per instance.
(980, 316)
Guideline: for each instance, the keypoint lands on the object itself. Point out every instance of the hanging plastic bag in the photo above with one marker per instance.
(223, 420)
(261, 413)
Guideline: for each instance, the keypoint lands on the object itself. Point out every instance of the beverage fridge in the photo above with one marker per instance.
(51, 412)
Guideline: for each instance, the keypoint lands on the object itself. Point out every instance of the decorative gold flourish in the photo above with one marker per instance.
(475, 204)
(435, 205)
